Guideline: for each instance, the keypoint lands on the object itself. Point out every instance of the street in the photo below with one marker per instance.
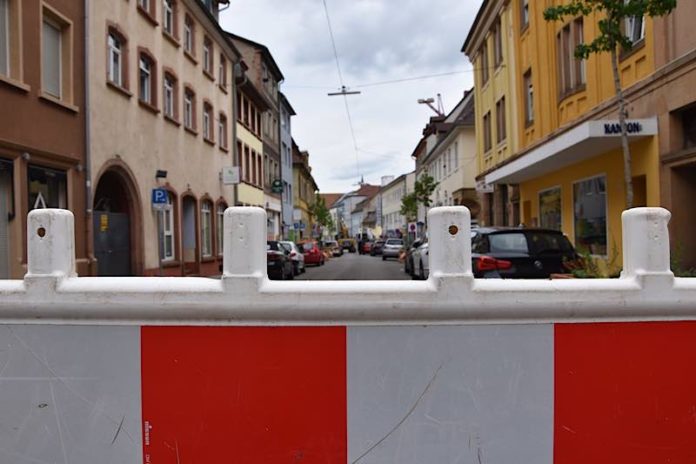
(352, 266)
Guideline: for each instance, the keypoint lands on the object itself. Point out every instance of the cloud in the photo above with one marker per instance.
(377, 40)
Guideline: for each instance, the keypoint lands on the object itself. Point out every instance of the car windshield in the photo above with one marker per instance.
(395, 241)
(509, 242)
(544, 242)
(274, 246)
(308, 246)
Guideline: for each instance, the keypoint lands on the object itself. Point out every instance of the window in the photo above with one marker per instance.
(189, 35)
(524, 13)
(634, 27)
(169, 93)
(48, 188)
(222, 72)
(528, 98)
(220, 227)
(487, 145)
(206, 230)
(115, 59)
(590, 215)
(247, 164)
(501, 130)
(207, 122)
(189, 109)
(222, 131)
(571, 71)
(4, 37)
(168, 230)
(484, 62)
(147, 7)
(456, 155)
(688, 118)
(498, 44)
(51, 63)
(208, 56)
(255, 179)
(550, 208)
(147, 79)
(169, 17)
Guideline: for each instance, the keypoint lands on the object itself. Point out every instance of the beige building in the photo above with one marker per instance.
(161, 112)
(393, 222)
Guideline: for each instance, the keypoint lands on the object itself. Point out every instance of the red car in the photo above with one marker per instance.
(312, 253)
(367, 247)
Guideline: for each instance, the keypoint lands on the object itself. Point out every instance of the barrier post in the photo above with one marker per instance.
(646, 245)
(51, 244)
(450, 242)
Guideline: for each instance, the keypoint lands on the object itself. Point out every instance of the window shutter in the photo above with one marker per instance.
(4, 38)
(51, 59)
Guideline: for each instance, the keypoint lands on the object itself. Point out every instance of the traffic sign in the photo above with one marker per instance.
(160, 198)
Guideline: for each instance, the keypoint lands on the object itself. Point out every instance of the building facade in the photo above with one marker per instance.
(266, 76)
(305, 191)
(43, 160)
(161, 113)
(286, 113)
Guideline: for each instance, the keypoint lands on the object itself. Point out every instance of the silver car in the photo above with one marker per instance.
(296, 257)
(392, 248)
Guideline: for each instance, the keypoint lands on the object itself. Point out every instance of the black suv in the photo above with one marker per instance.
(520, 253)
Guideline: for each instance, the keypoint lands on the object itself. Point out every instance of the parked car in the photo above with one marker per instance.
(348, 244)
(392, 248)
(520, 253)
(377, 248)
(312, 253)
(367, 247)
(408, 259)
(296, 257)
(333, 247)
(421, 262)
(278, 263)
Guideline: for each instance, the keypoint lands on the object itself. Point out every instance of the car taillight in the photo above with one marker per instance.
(273, 257)
(487, 263)
(293, 254)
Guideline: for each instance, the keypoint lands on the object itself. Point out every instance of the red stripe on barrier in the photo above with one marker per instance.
(625, 393)
(247, 395)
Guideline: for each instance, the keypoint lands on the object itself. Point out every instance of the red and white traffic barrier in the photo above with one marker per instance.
(182, 370)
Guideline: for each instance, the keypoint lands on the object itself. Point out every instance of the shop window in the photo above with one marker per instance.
(590, 215)
(206, 230)
(550, 209)
(48, 188)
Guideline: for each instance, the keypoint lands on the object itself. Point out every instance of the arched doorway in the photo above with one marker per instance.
(115, 220)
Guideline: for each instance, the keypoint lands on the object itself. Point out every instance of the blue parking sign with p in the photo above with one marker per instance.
(159, 197)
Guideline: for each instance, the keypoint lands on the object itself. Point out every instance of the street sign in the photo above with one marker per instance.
(277, 186)
(230, 175)
(159, 198)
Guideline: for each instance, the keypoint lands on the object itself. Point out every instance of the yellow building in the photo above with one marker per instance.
(490, 47)
(304, 193)
(567, 161)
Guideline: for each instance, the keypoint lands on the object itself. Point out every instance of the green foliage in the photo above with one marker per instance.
(424, 188)
(588, 266)
(676, 263)
(612, 13)
(409, 207)
(321, 213)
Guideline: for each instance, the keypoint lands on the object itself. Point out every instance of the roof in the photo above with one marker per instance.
(284, 100)
(330, 198)
(474, 25)
(368, 190)
(264, 50)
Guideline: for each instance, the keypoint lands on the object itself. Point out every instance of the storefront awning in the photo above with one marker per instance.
(585, 141)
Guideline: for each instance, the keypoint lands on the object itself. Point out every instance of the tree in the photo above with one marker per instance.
(611, 36)
(423, 189)
(409, 207)
(321, 213)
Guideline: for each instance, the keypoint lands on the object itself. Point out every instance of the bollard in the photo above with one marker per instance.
(51, 243)
(646, 242)
(244, 250)
(450, 241)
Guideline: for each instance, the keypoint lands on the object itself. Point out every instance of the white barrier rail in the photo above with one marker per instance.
(51, 293)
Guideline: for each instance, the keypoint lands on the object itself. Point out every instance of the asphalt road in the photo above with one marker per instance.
(352, 266)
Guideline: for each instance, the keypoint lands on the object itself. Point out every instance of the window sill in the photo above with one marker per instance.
(626, 54)
(147, 15)
(191, 57)
(123, 91)
(172, 120)
(528, 123)
(225, 149)
(170, 263)
(149, 106)
(191, 131)
(171, 38)
(525, 29)
(208, 259)
(56, 101)
(208, 75)
(572, 92)
(209, 141)
(223, 88)
(15, 83)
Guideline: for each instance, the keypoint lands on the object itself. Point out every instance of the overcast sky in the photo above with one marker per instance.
(377, 41)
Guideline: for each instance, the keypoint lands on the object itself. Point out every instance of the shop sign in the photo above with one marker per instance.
(632, 127)
(483, 187)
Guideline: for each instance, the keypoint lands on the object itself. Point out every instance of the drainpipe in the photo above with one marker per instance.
(89, 229)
